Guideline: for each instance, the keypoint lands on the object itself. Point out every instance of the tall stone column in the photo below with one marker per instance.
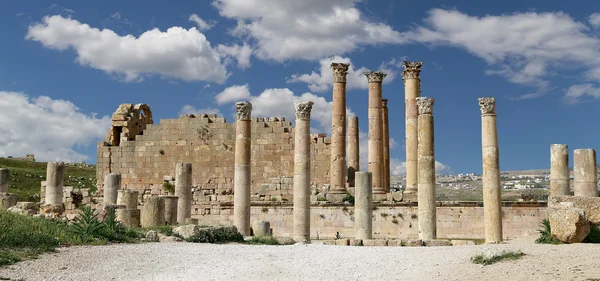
(412, 89)
(363, 207)
(375, 130)
(241, 178)
(584, 173)
(386, 146)
(4, 174)
(54, 183)
(353, 149)
(338, 129)
(426, 163)
(183, 190)
(492, 209)
(559, 170)
(112, 184)
(302, 172)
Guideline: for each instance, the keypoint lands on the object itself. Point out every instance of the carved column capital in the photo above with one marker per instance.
(384, 102)
(412, 70)
(340, 70)
(487, 105)
(243, 109)
(425, 105)
(303, 109)
(375, 76)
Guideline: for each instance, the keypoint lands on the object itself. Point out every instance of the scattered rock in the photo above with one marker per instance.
(152, 236)
(568, 225)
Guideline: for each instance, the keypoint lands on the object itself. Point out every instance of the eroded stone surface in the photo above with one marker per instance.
(569, 225)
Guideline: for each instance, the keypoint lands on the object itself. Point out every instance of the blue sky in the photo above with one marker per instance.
(65, 67)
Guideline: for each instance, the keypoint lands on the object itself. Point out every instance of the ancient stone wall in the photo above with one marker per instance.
(455, 221)
(208, 143)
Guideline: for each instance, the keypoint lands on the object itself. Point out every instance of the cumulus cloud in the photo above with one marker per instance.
(594, 19)
(233, 94)
(241, 53)
(310, 29)
(322, 80)
(175, 53)
(200, 23)
(525, 48)
(190, 109)
(398, 167)
(576, 93)
(48, 128)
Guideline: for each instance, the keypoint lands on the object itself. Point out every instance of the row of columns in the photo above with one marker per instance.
(585, 179)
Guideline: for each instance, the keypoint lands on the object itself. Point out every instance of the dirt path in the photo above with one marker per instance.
(186, 261)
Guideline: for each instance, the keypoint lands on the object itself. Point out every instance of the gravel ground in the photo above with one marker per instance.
(187, 261)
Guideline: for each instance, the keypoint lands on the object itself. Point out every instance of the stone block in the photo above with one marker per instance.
(356, 242)
(589, 205)
(7, 200)
(342, 242)
(437, 243)
(462, 242)
(414, 243)
(375, 242)
(569, 225)
(261, 228)
(395, 243)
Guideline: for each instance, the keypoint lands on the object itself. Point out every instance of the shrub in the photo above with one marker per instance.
(264, 240)
(593, 236)
(545, 234)
(349, 198)
(494, 258)
(168, 187)
(216, 235)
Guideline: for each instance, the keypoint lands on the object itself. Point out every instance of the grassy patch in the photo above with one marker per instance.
(264, 240)
(25, 177)
(491, 259)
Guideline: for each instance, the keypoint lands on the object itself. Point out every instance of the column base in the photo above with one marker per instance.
(338, 191)
(410, 197)
(379, 190)
(335, 197)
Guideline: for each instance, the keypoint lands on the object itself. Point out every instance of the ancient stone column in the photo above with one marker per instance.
(54, 183)
(412, 89)
(559, 170)
(426, 164)
(171, 210)
(302, 172)
(492, 212)
(338, 129)
(4, 174)
(585, 180)
(353, 149)
(375, 130)
(363, 206)
(130, 215)
(386, 146)
(183, 190)
(112, 184)
(241, 178)
(128, 198)
(153, 211)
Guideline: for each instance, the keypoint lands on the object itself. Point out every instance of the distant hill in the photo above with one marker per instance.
(25, 177)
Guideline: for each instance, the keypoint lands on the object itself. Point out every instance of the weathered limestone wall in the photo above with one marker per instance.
(208, 143)
(453, 221)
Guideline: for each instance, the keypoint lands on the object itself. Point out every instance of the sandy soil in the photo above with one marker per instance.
(186, 261)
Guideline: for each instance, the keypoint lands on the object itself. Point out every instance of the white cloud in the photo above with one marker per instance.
(594, 20)
(200, 23)
(176, 53)
(233, 94)
(240, 53)
(190, 109)
(577, 92)
(309, 29)
(322, 80)
(525, 48)
(48, 128)
(398, 167)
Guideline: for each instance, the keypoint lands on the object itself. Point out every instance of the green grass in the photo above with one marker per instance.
(593, 236)
(545, 234)
(505, 255)
(264, 240)
(25, 177)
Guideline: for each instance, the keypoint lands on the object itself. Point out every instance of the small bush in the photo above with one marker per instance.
(349, 198)
(321, 198)
(264, 240)
(216, 235)
(162, 152)
(414, 216)
(593, 236)
(168, 187)
(491, 259)
(545, 234)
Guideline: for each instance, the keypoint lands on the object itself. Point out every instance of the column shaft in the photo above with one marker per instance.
(302, 172)
(112, 184)
(153, 211)
(363, 206)
(386, 148)
(584, 173)
(54, 183)
(492, 210)
(4, 174)
(353, 150)
(338, 139)
(559, 170)
(375, 130)
(242, 176)
(426, 163)
(412, 90)
(183, 190)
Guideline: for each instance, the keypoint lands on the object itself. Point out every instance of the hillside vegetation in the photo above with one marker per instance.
(25, 177)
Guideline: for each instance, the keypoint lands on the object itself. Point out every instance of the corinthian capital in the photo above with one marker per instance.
(375, 76)
(487, 105)
(243, 109)
(425, 105)
(412, 70)
(303, 109)
(339, 71)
